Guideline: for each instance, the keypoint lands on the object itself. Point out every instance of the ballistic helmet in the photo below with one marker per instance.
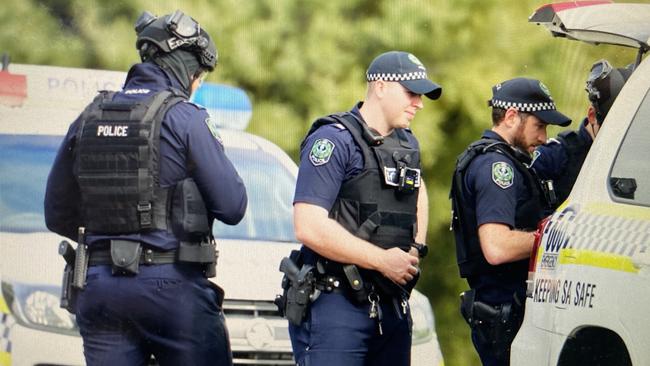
(603, 85)
(174, 31)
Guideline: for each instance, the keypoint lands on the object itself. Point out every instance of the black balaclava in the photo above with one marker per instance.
(181, 64)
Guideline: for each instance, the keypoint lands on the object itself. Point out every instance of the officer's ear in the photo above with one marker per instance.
(591, 115)
(378, 87)
(510, 118)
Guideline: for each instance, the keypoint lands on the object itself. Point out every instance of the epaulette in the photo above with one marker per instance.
(198, 106)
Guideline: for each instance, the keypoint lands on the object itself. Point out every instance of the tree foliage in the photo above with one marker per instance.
(302, 59)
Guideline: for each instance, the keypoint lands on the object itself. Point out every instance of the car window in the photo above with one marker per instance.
(24, 165)
(630, 176)
(269, 186)
(26, 162)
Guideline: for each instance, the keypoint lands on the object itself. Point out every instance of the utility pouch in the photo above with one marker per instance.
(359, 292)
(189, 215)
(125, 256)
(204, 253)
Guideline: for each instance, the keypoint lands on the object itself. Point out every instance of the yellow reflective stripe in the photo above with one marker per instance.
(597, 259)
(5, 359)
(619, 210)
(4, 309)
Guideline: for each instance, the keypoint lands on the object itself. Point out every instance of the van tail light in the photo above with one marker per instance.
(532, 264)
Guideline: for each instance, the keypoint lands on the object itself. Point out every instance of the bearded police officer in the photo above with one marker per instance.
(497, 201)
(360, 207)
(138, 180)
(560, 159)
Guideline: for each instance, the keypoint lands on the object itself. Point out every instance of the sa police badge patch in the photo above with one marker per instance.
(502, 174)
(212, 126)
(321, 151)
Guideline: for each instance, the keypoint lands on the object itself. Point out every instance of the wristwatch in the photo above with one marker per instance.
(422, 249)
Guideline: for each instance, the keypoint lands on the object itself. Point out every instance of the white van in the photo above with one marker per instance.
(589, 279)
(37, 104)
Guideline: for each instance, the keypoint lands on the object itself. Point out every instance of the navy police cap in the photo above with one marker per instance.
(406, 69)
(530, 96)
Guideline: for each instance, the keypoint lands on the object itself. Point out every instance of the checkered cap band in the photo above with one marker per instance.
(524, 107)
(397, 77)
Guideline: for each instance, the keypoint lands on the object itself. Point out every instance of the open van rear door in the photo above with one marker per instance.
(598, 22)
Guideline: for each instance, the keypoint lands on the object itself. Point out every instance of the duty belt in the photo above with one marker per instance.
(148, 256)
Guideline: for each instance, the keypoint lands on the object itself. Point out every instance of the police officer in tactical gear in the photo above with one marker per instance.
(561, 158)
(497, 201)
(360, 207)
(137, 182)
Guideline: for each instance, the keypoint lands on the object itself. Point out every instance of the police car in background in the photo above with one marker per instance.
(589, 279)
(37, 104)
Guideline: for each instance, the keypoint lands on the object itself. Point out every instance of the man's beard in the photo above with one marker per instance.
(519, 140)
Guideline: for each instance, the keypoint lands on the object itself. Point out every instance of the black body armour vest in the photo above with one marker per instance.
(117, 164)
(576, 150)
(380, 203)
(469, 255)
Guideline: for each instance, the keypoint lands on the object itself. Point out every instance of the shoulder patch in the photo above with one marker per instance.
(321, 151)
(502, 174)
(212, 126)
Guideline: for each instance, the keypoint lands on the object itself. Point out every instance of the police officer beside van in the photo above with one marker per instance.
(137, 182)
(360, 209)
(497, 201)
(561, 158)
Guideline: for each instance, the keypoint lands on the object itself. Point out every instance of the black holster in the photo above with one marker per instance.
(68, 292)
(495, 325)
(299, 285)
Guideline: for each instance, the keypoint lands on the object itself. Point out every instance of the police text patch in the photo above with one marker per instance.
(321, 151)
(502, 174)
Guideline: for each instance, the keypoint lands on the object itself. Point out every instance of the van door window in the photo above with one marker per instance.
(629, 179)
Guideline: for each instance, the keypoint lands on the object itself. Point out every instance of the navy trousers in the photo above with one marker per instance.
(169, 311)
(339, 332)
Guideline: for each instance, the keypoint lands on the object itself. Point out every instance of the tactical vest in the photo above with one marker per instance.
(379, 204)
(117, 164)
(469, 255)
(576, 152)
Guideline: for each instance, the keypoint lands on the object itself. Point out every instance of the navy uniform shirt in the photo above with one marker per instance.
(322, 170)
(495, 187)
(187, 149)
(550, 160)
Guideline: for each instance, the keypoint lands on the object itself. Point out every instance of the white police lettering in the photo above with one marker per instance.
(563, 293)
(112, 131)
(137, 91)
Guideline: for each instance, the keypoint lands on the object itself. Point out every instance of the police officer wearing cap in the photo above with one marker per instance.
(360, 210)
(137, 181)
(560, 159)
(497, 201)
